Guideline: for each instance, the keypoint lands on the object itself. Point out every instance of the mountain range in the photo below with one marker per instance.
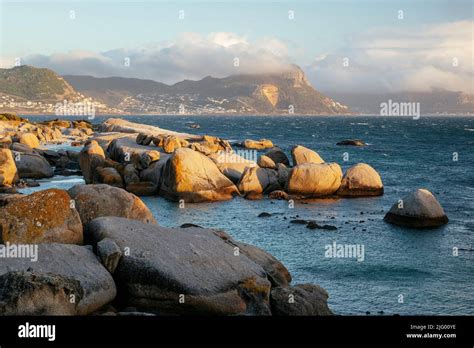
(28, 89)
(284, 93)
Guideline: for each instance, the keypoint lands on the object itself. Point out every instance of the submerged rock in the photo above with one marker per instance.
(41, 217)
(361, 180)
(418, 209)
(315, 180)
(352, 142)
(301, 155)
(193, 177)
(46, 287)
(182, 271)
(93, 201)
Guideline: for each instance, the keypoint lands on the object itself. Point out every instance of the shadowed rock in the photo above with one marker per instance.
(182, 271)
(301, 299)
(258, 180)
(278, 156)
(33, 166)
(46, 287)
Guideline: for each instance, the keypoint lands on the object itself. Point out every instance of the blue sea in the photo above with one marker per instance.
(404, 271)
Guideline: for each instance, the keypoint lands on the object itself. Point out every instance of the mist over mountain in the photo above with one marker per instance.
(435, 102)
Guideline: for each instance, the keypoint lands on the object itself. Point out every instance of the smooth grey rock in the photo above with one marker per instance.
(32, 166)
(418, 209)
(166, 265)
(45, 287)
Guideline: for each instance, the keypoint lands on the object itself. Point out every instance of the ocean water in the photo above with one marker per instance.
(404, 271)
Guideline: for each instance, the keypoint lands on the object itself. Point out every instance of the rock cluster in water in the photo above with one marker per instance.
(100, 244)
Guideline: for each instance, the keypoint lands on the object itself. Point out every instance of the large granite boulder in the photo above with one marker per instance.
(32, 166)
(300, 300)
(419, 209)
(8, 170)
(361, 180)
(93, 201)
(64, 280)
(315, 180)
(192, 177)
(301, 155)
(91, 157)
(41, 217)
(231, 164)
(182, 270)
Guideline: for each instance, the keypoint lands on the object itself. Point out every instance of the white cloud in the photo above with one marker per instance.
(401, 59)
(190, 56)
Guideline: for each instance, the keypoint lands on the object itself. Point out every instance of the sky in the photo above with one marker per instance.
(342, 45)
